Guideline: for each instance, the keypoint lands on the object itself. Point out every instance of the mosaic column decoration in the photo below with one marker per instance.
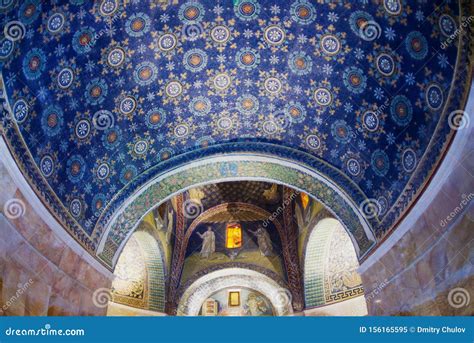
(290, 243)
(177, 262)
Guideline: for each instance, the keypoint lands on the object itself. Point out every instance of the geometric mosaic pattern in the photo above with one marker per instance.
(100, 92)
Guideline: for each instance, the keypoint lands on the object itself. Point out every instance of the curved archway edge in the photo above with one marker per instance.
(234, 168)
(204, 287)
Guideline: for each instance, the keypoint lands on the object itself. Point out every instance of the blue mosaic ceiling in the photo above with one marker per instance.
(103, 91)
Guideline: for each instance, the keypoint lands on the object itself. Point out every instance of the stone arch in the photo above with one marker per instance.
(193, 297)
(317, 184)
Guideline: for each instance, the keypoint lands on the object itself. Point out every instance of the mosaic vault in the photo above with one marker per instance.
(96, 95)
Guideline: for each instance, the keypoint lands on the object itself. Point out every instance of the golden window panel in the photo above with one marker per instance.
(233, 236)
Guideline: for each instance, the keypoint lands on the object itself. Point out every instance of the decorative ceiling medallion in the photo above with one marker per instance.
(323, 97)
(393, 7)
(274, 35)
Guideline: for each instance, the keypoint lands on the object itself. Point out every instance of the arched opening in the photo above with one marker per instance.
(278, 230)
(330, 272)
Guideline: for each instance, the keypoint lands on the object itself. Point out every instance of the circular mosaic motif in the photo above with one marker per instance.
(200, 106)
(222, 81)
(6, 5)
(416, 45)
(341, 131)
(76, 168)
(140, 147)
(138, 24)
(47, 165)
(98, 202)
(167, 42)
(247, 104)
(273, 85)
(447, 25)
(20, 110)
(353, 166)
(434, 96)
(355, 80)
(155, 118)
(29, 11)
(181, 130)
(300, 63)
(295, 111)
(76, 208)
(52, 120)
(165, 154)
(111, 138)
(225, 123)
(247, 9)
(303, 12)
(270, 127)
(128, 173)
(96, 91)
(220, 34)
(380, 163)
(409, 160)
(370, 121)
(103, 171)
(313, 142)
(174, 89)
(204, 142)
(247, 58)
(322, 96)
(274, 35)
(82, 129)
(84, 40)
(34, 64)
(392, 7)
(145, 73)
(330, 45)
(116, 57)
(195, 60)
(401, 110)
(56, 23)
(108, 7)
(191, 12)
(65, 78)
(385, 64)
(6, 48)
(127, 105)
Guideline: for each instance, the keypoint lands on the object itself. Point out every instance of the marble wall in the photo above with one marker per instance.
(40, 271)
(427, 266)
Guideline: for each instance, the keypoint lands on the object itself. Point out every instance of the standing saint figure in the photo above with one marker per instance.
(208, 243)
(264, 241)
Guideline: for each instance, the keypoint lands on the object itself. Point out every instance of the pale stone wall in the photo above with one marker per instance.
(40, 272)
